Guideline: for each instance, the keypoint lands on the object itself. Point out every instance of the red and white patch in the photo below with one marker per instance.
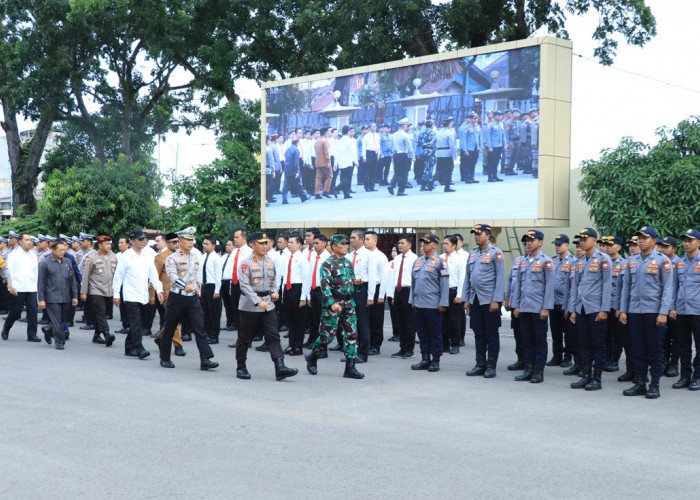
(499, 257)
(244, 267)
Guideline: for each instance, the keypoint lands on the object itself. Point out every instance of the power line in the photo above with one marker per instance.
(640, 75)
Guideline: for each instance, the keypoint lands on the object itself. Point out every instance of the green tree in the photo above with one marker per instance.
(224, 195)
(635, 184)
(111, 198)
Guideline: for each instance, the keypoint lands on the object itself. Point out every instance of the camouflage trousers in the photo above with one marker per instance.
(346, 321)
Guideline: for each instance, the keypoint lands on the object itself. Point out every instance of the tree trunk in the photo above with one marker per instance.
(521, 30)
(24, 159)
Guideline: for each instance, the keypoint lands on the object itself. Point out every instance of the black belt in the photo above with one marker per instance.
(338, 296)
(262, 294)
(438, 149)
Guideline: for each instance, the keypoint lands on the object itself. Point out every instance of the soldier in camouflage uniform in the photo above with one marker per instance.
(426, 141)
(338, 310)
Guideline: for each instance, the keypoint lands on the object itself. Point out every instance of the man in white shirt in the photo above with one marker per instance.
(294, 280)
(315, 295)
(370, 152)
(23, 266)
(456, 266)
(135, 270)
(359, 257)
(376, 268)
(399, 290)
(240, 252)
(209, 277)
(463, 318)
(226, 274)
(346, 159)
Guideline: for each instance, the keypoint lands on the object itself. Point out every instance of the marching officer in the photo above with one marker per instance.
(687, 311)
(482, 296)
(532, 299)
(57, 289)
(429, 297)
(589, 305)
(494, 141)
(182, 268)
(338, 286)
(257, 308)
(647, 299)
(96, 287)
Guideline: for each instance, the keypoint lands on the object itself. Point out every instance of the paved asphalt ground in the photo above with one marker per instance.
(90, 423)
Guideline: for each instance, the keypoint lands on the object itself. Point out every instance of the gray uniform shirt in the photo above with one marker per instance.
(57, 283)
(431, 283)
(257, 277)
(98, 274)
(185, 267)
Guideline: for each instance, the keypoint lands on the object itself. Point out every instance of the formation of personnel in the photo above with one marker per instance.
(596, 303)
(322, 162)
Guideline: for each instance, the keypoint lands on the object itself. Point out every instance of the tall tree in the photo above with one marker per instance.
(634, 185)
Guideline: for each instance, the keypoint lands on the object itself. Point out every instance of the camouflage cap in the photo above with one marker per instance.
(339, 238)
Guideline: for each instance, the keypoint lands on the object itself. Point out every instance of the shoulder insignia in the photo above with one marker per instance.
(499, 257)
(667, 267)
(244, 267)
(548, 265)
(605, 266)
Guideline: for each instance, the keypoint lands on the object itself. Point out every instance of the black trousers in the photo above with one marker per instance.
(98, 305)
(183, 307)
(263, 322)
(384, 167)
(269, 187)
(295, 315)
(444, 168)
(452, 322)
(314, 312)
(372, 170)
(688, 330)
(345, 180)
(363, 332)
(418, 168)
(517, 336)
(122, 311)
(561, 332)
(225, 294)
(402, 165)
(376, 320)
(211, 308)
(308, 178)
(135, 312)
(671, 343)
(493, 159)
(405, 319)
(361, 171)
(4, 297)
(17, 302)
(235, 297)
(467, 163)
(57, 313)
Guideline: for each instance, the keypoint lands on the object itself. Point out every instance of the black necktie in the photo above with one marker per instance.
(204, 280)
(224, 267)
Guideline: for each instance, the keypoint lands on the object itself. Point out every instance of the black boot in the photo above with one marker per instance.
(555, 361)
(109, 338)
(97, 339)
(628, 376)
(351, 371)
(595, 383)
(653, 391)
(490, 368)
(423, 364)
(584, 380)
(479, 369)
(672, 370)
(242, 372)
(311, 359)
(526, 375)
(517, 366)
(282, 371)
(566, 361)
(638, 389)
(682, 383)
(575, 368)
(434, 365)
(537, 375)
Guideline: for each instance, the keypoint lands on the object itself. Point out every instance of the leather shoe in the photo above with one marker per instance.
(360, 359)
(167, 364)
(143, 354)
(60, 347)
(288, 349)
(374, 351)
(212, 340)
(179, 351)
(297, 351)
(5, 334)
(87, 326)
(398, 354)
(47, 333)
(207, 364)
(694, 385)
(33, 338)
(454, 349)
(242, 373)
(394, 338)
(187, 337)
(132, 353)
(407, 354)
